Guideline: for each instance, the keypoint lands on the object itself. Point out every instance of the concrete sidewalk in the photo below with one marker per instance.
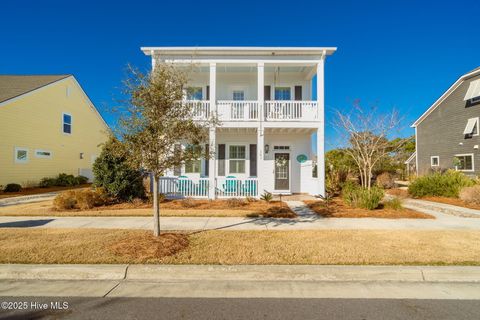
(6, 202)
(274, 281)
(308, 222)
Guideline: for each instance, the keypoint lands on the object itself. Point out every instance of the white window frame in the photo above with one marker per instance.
(199, 161)
(63, 123)
(238, 91)
(292, 91)
(473, 161)
(431, 161)
(244, 159)
(477, 122)
(43, 156)
(16, 158)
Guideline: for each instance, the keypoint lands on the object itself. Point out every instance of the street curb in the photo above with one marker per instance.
(168, 273)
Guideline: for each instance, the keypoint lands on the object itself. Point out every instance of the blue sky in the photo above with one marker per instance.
(400, 54)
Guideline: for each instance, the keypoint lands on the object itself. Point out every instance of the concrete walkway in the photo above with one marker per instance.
(422, 205)
(307, 222)
(5, 202)
(271, 281)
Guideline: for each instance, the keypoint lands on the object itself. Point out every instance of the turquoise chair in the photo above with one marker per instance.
(184, 184)
(230, 185)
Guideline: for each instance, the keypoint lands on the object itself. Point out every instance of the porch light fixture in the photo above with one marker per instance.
(81, 155)
(267, 148)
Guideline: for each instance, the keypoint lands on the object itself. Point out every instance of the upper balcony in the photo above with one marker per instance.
(251, 84)
(251, 110)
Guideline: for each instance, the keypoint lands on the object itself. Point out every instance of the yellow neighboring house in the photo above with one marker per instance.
(48, 125)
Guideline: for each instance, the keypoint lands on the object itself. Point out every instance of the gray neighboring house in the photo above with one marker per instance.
(447, 134)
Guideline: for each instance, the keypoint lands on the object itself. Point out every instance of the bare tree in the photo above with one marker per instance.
(154, 121)
(366, 133)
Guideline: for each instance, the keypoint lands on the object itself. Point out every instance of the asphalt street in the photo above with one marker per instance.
(210, 308)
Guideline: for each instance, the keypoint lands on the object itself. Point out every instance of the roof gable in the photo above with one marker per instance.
(12, 86)
(452, 88)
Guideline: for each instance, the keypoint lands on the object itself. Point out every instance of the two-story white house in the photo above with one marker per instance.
(264, 100)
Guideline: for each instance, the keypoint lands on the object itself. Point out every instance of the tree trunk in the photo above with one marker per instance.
(156, 208)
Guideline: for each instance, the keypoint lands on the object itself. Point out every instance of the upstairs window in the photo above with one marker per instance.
(43, 154)
(471, 129)
(282, 93)
(67, 123)
(473, 92)
(194, 93)
(238, 95)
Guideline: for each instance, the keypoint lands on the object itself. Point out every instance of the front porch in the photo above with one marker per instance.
(248, 162)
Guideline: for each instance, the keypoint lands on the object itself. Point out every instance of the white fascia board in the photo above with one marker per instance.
(239, 50)
(444, 96)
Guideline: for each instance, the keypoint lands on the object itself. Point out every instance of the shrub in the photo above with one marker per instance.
(113, 173)
(236, 202)
(79, 199)
(393, 204)
(65, 201)
(358, 197)
(278, 212)
(266, 196)
(447, 184)
(65, 180)
(12, 187)
(470, 194)
(81, 179)
(385, 180)
(47, 182)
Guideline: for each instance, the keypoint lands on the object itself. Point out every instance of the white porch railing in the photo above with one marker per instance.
(175, 187)
(233, 187)
(290, 110)
(238, 110)
(201, 108)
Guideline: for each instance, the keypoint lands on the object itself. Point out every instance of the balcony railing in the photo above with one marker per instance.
(230, 110)
(290, 110)
(238, 110)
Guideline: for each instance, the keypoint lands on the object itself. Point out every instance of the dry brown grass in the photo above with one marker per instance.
(401, 193)
(338, 209)
(36, 190)
(241, 247)
(218, 208)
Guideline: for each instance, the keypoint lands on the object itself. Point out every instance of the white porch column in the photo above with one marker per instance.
(212, 163)
(260, 158)
(321, 127)
(261, 92)
(213, 87)
(153, 60)
(260, 131)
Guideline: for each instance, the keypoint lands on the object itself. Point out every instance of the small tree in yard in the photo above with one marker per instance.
(154, 121)
(366, 132)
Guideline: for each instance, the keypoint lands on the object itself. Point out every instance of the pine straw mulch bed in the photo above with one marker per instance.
(338, 209)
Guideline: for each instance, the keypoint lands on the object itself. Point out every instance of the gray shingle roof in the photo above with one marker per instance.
(12, 86)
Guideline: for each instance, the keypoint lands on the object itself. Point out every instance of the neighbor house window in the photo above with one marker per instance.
(193, 166)
(282, 93)
(435, 161)
(464, 162)
(67, 123)
(194, 93)
(21, 155)
(237, 159)
(471, 129)
(43, 154)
